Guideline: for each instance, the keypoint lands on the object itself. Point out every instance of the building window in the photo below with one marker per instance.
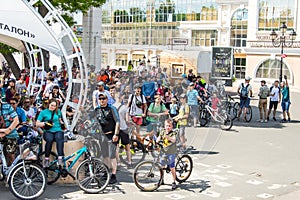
(204, 38)
(273, 13)
(104, 59)
(239, 68)
(270, 69)
(239, 26)
(121, 59)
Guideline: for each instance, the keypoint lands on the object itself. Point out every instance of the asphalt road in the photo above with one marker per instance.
(252, 161)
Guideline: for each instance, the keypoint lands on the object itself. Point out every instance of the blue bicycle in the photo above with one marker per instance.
(92, 175)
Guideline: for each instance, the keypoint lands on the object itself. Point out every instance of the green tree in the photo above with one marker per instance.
(68, 6)
(164, 10)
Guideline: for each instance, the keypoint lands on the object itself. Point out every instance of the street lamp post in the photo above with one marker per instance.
(282, 41)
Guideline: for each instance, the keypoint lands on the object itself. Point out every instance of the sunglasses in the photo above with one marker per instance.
(12, 103)
(26, 101)
(102, 98)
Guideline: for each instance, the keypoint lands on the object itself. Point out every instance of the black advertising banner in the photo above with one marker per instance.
(222, 62)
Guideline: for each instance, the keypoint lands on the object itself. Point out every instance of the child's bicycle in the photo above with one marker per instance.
(26, 178)
(148, 175)
(92, 175)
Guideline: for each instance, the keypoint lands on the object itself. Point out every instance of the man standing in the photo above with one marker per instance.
(263, 94)
(275, 96)
(109, 120)
(245, 92)
(285, 102)
(192, 100)
(8, 126)
(101, 90)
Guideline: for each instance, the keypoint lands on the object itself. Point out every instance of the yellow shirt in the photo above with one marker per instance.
(183, 110)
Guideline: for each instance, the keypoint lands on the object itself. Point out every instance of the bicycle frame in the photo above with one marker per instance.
(5, 168)
(215, 115)
(78, 154)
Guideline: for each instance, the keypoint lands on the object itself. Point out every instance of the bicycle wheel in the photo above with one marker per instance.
(249, 114)
(27, 182)
(227, 121)
(147, 176)
(52, 172)
(203, 118)
(92, 175)
(137, 150)
(183, 167)
(236, 108)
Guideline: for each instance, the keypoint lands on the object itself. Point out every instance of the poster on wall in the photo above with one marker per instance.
(222, 62)
(177, 70)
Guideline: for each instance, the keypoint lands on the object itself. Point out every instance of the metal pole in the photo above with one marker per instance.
(281, 62)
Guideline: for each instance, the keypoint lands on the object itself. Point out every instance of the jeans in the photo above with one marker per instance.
(58, 137)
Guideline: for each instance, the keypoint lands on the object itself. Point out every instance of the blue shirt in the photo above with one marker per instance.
(285, 91)
(8, 113)
(21, 114)
(192, 97)
(45, 115)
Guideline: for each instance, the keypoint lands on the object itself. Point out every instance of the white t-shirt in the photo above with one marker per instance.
(122, 109)
(134, 110)
(275, 91)
(245, 85)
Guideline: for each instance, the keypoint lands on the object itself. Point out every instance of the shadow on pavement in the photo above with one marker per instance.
(191, 186)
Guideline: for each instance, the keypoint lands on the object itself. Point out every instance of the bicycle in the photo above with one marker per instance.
(26, 179)
(148, 175)
(220, 116)
(92, 175)
(232, 107)
(248, 116)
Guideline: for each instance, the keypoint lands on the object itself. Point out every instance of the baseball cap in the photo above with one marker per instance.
(102, 95)
(182, 95)
(100, 83)
(183, 76)
(247, 78)
(191, 84)
(137, 86)
(12, 80)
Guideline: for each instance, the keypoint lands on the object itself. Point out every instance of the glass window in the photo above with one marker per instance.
(273, 12)
(239, 68)
(204, 38)
(239, 28)
(121, 59)
(271, 69)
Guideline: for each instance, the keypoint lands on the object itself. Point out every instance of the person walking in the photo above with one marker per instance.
(263, 94)
(285, 102)
(51, 119)
(192, 100)
(275, 97)
(109, 120)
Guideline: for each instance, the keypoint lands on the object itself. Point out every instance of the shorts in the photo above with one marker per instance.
(137, 120)
(170, 160)
(181, 131)
(194, 111)
(124, 137)
(150, 128)
(285, 106)
(273, 103)
(108, 148)
(262, 103)
(244, 103)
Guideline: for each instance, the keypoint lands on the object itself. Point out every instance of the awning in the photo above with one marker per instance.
(19, 22)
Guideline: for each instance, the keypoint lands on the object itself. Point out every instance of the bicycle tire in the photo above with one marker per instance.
(30, 187)
(203, 118)
(148, 176)
(227, 122)
(249, 114)
(236, 108)
(96, 182)
(52, 172)
(137, 150)
(184, 168)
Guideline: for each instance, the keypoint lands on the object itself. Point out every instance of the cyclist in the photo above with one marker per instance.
(245, 92)
(8, 122)
(109, 120)
(170, 148)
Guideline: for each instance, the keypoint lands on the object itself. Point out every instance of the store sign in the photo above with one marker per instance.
(222, 62)
(179, 41)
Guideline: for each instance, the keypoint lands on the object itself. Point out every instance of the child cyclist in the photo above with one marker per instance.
(168, 138)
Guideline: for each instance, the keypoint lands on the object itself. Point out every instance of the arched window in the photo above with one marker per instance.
(270, 69)
(239, 26)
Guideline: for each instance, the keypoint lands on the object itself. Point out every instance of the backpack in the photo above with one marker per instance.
(244, 91)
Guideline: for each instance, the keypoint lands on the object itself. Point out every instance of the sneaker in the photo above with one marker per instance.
(46, 163)
(283, 121)
(60, 162)
(130, 166)
(289, 119)
(266, 120)
(261, 121)
(174, 186)
(274, 119)
(113, 180)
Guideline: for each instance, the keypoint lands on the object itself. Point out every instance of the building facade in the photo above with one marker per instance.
(180, 34)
